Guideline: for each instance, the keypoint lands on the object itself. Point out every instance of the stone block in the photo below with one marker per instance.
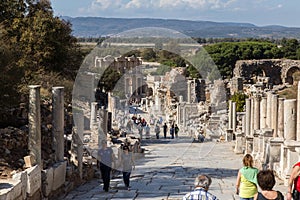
(267, 132)
(47, 180)
(229, 135)
(275, 148)
(59, 175)
(22, 176)
(34, 180)
(239, 143)
(29, 161)
(249, 144)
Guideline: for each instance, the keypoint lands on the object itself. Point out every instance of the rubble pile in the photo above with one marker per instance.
(13, 147)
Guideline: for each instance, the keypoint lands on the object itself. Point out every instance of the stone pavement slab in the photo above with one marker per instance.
(168, 169)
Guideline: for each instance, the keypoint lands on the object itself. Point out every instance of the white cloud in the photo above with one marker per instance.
(181, 9)
(160, 4)
(138, 4)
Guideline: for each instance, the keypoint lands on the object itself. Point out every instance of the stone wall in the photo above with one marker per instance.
(279, 70)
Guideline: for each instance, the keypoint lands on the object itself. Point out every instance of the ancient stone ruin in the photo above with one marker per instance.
(268, 128)
(270, 125)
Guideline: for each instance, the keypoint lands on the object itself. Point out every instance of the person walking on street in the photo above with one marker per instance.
(294, 183)
(246, 182)
(129, 125)
(157, 131)
(165, 130)
(127, 161)
(202, 183)
(266, 181)
(172, 130)
(176, 129)
(106, 158)
(147, 131)
(140, 129)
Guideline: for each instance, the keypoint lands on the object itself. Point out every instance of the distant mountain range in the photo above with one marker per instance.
(99, 26)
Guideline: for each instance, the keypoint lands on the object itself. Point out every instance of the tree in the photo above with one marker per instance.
(240, 99)
(37, 46)
(290, 47)
(162, 70)
(225, 54)
(148, 54)
(109, 79)
(11, 10)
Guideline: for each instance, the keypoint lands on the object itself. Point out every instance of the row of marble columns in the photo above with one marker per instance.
(35, 138)
(271, 112)
(272, 131)
(99, 126)
(34, 118)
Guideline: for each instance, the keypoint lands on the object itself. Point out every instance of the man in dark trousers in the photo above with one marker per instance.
(106, 159)
(165, 130)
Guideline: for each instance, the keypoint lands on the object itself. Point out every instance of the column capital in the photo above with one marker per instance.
(34, 86)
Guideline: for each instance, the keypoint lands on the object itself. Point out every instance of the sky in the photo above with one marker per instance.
(258, 12)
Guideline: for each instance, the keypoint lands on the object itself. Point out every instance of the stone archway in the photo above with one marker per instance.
(259, 71)
(289, 78)
(278, 70)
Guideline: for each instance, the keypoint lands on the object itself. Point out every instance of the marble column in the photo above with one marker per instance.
(109, 102)
(112, 105)
(275, 114)
(230, 114)
(243, 123)
(184, 113)
(77, 141)
(290, 119)
(189, 93)
(248, 117)
(234, 117)
(92, 86)
(255, 150)
(93, 121)
(252, 117)
(102, 126)
(178, 113)
(34, 122)
(298, 112)
(256, 113)
(280, 117)
(269, 110)
(283, 161)
(58, 122)
(263, 112)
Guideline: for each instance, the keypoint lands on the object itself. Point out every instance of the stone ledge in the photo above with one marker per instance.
(10, 189)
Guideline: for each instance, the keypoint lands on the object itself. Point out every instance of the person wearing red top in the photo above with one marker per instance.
(294, 183)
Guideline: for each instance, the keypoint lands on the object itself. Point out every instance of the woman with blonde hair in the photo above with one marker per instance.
(246, 182)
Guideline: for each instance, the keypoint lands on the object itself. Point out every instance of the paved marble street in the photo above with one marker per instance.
(167, 171)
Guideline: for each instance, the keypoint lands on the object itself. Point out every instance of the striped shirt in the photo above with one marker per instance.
(199, 194)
